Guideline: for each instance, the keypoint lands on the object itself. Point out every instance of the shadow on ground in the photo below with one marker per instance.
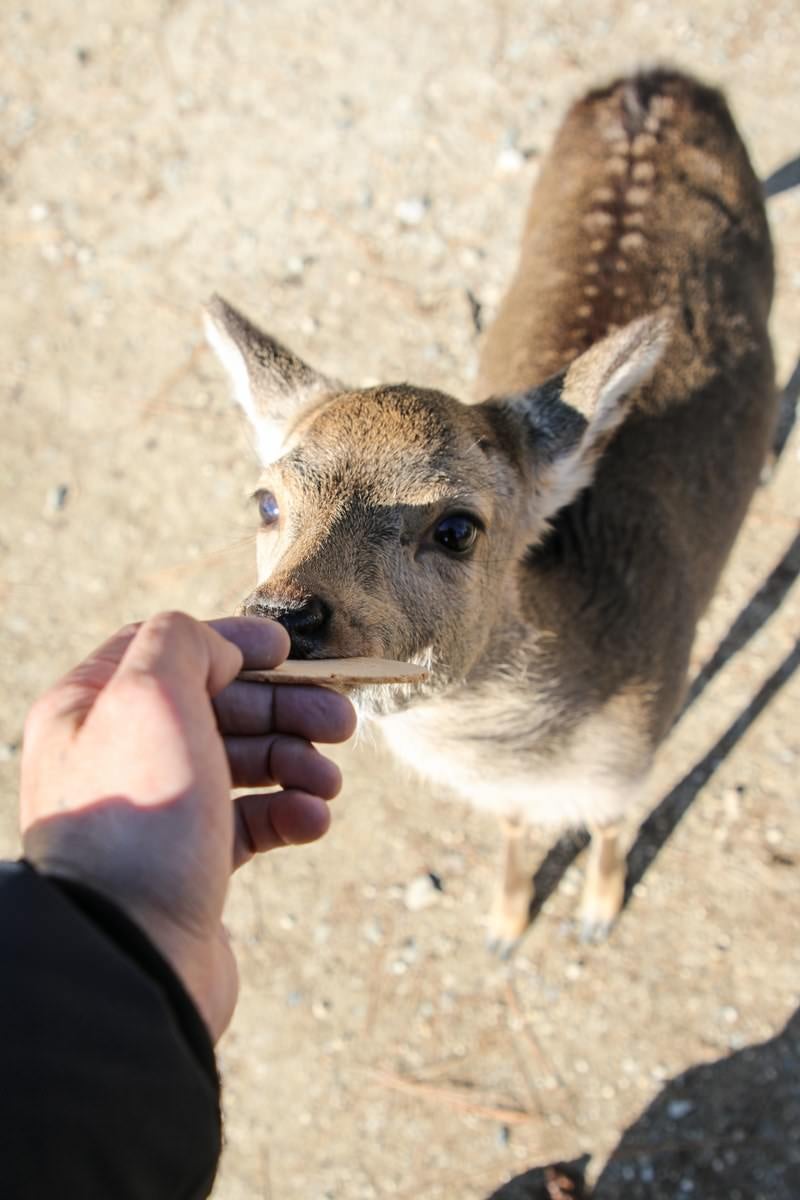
(728, 1130)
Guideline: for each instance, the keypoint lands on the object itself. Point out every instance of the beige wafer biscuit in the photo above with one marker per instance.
(346, 672)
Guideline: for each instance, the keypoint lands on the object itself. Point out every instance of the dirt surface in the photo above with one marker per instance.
(351, 174)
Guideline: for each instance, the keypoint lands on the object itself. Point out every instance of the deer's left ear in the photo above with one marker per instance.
(270, 382)
(570, 419)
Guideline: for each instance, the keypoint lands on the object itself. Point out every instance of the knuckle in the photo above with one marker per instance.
(39, 714)
(172, 621)
(131, 629)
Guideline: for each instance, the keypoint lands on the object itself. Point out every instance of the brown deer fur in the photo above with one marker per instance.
(625, 405)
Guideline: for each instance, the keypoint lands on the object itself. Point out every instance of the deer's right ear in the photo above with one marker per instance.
(570, 419)
(270, 382)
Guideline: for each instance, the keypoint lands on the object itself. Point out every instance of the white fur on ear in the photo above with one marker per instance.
(270, 383)
(574, 414)
(232, 360)
(268, 434)
(607, 374)
(599, 385)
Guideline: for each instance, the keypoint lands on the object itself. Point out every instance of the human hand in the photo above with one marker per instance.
(127, 768)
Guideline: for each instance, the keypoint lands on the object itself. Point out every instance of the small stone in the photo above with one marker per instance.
(373, 932)
(729, 1014)
(57, 498)
(321, 1009)
(421, 893)
(509, 161)
(294, 267)
(408, 953)
(8, 751)
(38, 212)
(678, 1109)
(412, 211)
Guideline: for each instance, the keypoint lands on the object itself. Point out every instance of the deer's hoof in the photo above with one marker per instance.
(500, 947)
(593, 930)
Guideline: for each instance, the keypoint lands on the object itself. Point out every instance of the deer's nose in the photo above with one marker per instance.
(306, 621)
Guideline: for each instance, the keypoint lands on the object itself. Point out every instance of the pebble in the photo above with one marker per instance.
(372, 932)
(509, 161)
(294, 267)
(321, 1009)
(421, 892)
(412, 211)
(56, 498)
(678, 1109)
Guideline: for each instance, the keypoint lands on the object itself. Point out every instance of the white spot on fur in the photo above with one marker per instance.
(637, 196)
(644, 172)
(630, 242)
(597, 221)
(643, 145)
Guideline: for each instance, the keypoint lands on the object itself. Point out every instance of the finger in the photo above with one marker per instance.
(289, 761)
(315, 713)
(181, 652)
(264, 822)
(263, 643)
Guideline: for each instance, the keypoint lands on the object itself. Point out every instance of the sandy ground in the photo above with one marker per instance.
(347, 173)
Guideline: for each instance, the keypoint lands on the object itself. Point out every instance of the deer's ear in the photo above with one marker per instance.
(270, 382)
(571, 418)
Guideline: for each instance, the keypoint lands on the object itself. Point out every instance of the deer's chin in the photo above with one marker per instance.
(385, 699)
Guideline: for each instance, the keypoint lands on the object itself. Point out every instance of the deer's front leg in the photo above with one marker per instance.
(604, 886)
(509, 916)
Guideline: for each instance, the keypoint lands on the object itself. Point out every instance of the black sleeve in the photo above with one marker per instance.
(108, 1085)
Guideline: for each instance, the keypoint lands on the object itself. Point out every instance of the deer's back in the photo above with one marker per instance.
(647, 200)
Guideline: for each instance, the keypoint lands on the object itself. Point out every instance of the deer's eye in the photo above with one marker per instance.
(267, 507)
(456, 533)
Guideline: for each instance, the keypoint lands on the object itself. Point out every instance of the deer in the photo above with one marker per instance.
(546, 547)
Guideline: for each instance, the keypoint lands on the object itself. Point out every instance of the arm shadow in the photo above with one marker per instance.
(665, 817)
(728, 1128)
(717, 1131)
